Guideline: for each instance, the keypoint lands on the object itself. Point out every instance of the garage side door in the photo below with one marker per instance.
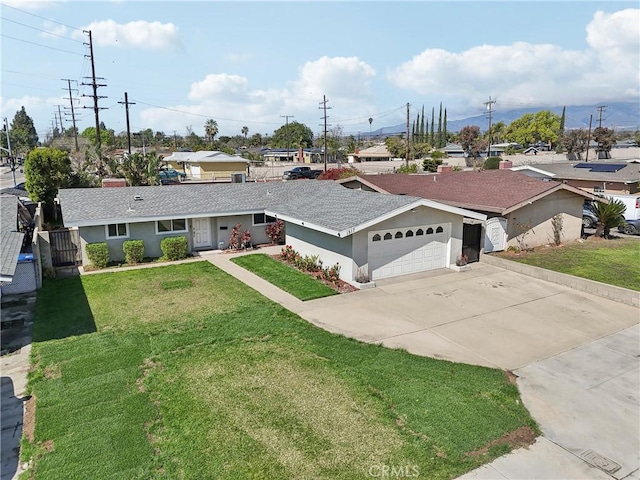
(402, 251)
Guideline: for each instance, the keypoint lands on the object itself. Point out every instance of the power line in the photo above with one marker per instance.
(42, 18)
(324, 107)
(40, 44)
(40, 30)
(489, 106)
(96, 97)
(286, 117)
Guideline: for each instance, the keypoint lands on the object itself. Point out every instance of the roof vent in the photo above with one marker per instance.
(137, 198)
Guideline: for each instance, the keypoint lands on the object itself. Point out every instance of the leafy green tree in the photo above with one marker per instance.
(46, 170)
(491, 163)
(544, 126)
(107, 136)
(561, 130)
(521, 130)
(404, 169)
(22, 132)
(439, 140)
(141, 170)
(395, 146)
(294, 134)
(210, 130)
(610, 215)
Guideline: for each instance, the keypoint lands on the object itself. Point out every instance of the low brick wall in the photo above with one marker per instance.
(610, 292)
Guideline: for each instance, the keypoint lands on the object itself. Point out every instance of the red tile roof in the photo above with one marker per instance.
(488, 190)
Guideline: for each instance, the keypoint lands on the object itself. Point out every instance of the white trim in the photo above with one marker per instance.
(169, 232)
(117, 237)
(533, 169)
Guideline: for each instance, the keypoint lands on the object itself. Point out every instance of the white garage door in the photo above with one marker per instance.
(401, 251)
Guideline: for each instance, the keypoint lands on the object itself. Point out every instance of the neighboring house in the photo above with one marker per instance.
(371, 154)
(17, 269)
(531, 151)
(453, 150)
(613, 177)
(207, 165)
(511, 202)
(303, 155)
(366, 233)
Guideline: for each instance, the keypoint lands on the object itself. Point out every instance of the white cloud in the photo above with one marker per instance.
(229, 98)
(53, 30)
(524, 73)
(138, 34)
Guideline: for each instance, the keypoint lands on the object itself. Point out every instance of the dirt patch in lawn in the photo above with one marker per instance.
(512, 378)
(29, 420)
(521, 437)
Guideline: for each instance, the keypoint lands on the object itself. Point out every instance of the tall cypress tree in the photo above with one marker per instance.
(422, 126)
(426, 135)
(432, 141)
(444, 128)
(561, 131)
(439, 140)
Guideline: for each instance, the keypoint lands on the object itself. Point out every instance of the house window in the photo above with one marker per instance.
(598, 189)
(398, 234)
(376, 238)
(429, 231)
(171, 226)
(262, 219)
(409, 233)
(439, 230)
(117, 230)
(388, 236)
(419, 232)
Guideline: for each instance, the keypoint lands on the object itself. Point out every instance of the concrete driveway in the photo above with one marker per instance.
(487, 316)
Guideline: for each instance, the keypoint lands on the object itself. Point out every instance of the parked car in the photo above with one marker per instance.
(589, 219)
(171, 175)
(632, 227)
(301, 172)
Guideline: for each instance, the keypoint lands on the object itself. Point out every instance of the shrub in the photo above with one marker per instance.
(274, 231)
(413, 168)
(338, 173)
(331, 274)
(491, 163)
(133, 251)
(174, 248)
(235, 237)
(288, 253)
(98, 254)
(431, 164)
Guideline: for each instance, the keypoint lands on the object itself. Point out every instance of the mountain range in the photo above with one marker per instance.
(617, 115)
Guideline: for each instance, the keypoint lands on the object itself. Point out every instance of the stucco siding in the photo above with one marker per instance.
(221, 231)
(221, 170)
(540, 214)
(331, 249)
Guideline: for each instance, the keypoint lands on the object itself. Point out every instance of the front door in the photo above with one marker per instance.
(201, 232)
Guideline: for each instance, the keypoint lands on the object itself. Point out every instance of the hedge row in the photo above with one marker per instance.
(173, 248)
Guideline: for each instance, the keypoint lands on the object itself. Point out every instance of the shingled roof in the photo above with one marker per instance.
(488, 190)
(10, 238)
(320, 204)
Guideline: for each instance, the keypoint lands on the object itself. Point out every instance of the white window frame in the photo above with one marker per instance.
(253, 219)
(106, 231)
(172, 231)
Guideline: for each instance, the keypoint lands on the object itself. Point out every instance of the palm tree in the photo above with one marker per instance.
(245, 131)
(609, 215)
(211, 129)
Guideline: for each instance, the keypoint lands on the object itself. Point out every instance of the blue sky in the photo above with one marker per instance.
(250, 63)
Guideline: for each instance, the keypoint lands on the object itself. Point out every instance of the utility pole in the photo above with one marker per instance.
(600, 109)
(60, 115)
(126, 106)
(11, 159)
(406, 158)
(489, 106)
(286, 128)
(95, 85)
(586, 159)
(73, 115)
(324, 108)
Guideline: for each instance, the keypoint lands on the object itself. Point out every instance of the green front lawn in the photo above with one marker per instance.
(616, 262)
(287, 278)
(184, 372)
